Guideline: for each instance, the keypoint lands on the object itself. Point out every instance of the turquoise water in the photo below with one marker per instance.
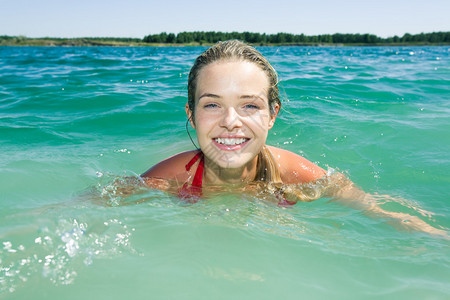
(74, 122)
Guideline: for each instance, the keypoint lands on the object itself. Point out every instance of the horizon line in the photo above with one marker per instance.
(281, 32)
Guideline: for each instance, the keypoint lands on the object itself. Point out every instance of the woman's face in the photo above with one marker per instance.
(232, 115)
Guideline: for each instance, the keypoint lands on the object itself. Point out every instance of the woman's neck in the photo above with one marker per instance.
(217, 175)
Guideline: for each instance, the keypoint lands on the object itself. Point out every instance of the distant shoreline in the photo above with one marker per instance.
(49, 43)
(195, 39)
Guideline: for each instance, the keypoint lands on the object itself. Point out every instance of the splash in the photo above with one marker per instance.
(58, 251)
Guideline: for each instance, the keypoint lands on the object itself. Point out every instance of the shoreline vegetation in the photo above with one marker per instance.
(206, 38)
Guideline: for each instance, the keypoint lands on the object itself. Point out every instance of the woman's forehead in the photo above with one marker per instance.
(237, 77)
(232, 70)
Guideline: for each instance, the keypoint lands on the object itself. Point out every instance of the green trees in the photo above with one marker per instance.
(211, 37)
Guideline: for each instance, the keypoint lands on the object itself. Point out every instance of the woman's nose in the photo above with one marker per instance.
(230, 119)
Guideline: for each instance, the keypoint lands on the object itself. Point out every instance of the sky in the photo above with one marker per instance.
(138, 18)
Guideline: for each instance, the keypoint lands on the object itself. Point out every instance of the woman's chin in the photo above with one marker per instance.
(232, 161)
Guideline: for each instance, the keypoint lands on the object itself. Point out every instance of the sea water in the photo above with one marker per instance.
(75, 123)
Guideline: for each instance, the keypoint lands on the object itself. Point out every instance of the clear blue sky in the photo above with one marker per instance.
(137, 18)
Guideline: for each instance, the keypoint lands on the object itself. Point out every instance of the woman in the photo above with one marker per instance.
(233, 101)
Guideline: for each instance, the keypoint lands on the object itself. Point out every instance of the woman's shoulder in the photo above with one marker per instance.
(295, 168)
(172, 168)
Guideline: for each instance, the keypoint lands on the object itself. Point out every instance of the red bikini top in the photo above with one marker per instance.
(192, 192)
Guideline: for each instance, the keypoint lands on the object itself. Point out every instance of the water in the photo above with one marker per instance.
(74, 121)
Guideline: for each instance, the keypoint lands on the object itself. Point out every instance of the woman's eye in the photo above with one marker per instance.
(210, 105)
(251, 106)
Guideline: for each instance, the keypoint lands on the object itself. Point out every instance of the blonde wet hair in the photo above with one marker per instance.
(268, 179)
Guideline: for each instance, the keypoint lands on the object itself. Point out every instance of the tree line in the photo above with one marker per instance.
(101, 39)
(87, 41)
(211, 37)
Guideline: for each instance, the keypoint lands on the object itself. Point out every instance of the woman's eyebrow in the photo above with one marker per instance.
(208, 95)
(254, 97)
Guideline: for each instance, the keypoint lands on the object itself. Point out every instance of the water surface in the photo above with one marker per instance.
(75, 120)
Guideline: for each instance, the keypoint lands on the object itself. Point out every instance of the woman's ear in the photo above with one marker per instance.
(190, 115)
(273, 116)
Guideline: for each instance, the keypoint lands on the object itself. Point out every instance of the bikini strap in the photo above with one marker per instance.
(198, 177)
(193, 160)
(191, 193)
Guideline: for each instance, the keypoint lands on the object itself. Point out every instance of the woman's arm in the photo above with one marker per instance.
(305, 181)
(344, 191)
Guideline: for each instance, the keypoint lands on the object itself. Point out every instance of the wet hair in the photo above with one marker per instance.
(233, 50)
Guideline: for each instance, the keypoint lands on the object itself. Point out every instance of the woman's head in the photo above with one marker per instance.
(234, 50)
(233, 103)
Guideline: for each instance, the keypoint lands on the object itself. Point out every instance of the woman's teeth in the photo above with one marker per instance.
(230, 142)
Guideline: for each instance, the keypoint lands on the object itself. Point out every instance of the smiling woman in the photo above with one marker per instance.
(233, 102)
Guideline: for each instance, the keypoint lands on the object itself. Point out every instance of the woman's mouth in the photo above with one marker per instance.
(230, 141)
(230, 144)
